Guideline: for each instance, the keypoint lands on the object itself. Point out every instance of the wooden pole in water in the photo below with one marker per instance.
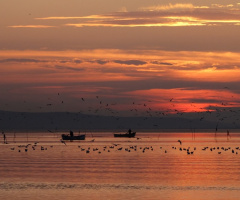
(14, 137)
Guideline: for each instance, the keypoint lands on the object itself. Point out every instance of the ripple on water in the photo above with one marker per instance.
(61, 186)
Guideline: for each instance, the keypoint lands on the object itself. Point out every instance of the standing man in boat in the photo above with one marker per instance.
(129, 131)
(71, 133)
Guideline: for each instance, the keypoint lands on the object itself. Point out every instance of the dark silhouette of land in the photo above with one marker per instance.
(58, 121)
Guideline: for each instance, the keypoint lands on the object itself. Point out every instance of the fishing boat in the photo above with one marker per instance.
(71, 136)
(129, 134)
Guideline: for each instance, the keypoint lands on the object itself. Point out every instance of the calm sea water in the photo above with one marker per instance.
(151, 166)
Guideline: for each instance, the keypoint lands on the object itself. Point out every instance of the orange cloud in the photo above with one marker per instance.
(161, 15)
(192, 66)
(169, 7)
(31, 26)
(152, 16)
(78, 17)
(195, 80)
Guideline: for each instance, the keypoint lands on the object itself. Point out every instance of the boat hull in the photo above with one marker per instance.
(128, 135)
(75, 137)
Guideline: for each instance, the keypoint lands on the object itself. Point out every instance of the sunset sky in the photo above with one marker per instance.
(88, 55)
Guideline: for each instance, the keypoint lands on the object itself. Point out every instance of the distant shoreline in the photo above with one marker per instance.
(65, 121)
(210, 131)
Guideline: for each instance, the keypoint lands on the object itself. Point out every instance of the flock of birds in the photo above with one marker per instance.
(129, 148)
(143, 109)
(26, 148)
(98, 106)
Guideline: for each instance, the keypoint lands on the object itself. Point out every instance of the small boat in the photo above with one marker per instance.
(71, 136)
(129, 134)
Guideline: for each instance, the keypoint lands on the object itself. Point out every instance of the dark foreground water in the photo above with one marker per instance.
(150, 166)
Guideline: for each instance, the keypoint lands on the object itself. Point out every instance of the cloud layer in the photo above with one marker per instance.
(169, 58)
(195, 80)
(151, 16)
(162, 15)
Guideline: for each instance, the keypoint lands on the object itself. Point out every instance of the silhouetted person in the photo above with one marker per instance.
(129, 131)
(71, 133)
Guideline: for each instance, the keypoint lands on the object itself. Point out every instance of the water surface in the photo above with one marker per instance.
(150, 166)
